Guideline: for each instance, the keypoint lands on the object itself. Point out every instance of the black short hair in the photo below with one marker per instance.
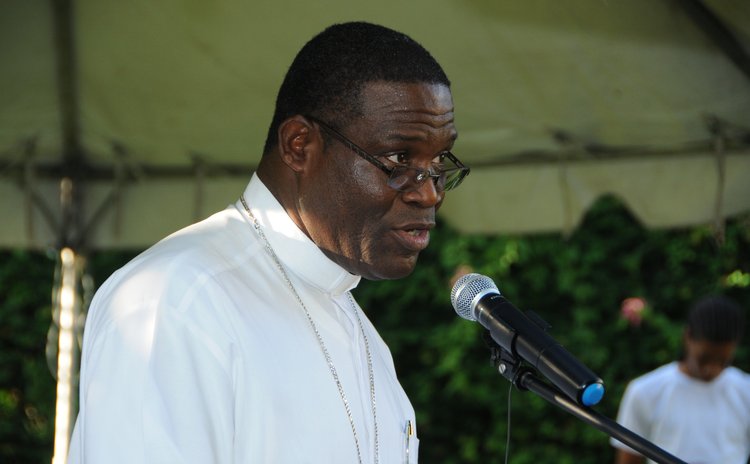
(327, 75)
(716, 319)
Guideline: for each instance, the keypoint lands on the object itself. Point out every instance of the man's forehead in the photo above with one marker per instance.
(387, 97)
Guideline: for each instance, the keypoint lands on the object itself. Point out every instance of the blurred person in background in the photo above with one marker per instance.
(698, 407)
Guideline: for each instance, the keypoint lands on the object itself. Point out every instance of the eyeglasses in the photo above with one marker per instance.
(405, 178)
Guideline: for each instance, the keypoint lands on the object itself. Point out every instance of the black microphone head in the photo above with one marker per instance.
(466, 289)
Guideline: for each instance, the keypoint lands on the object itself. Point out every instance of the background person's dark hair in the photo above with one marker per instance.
(327, 75)
(716, 319)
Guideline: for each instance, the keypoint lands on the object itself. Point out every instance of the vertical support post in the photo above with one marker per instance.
(719, 133)
(719, 223)
(69, 309)
(71, 231)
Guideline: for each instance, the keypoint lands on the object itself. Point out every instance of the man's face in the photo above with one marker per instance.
(705, 360)
(347, 207)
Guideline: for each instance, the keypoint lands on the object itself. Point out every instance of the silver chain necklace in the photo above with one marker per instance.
(321, 343)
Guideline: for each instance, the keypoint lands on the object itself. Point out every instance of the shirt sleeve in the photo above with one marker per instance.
(157, 386)
(633, 415)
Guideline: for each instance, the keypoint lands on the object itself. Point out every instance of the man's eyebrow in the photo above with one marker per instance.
(404, 137)
(411, 138)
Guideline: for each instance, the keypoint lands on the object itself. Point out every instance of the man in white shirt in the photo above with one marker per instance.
(236, 339)
(697, 408)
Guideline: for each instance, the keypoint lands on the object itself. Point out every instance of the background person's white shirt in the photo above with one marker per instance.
(699, 422)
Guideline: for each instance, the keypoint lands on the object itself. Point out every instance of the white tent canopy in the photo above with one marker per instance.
(156, 111)
(122, 121)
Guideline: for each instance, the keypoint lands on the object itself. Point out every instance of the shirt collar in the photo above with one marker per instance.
(295, 250)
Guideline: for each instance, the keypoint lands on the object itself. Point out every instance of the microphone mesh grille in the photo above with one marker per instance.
(464, 291)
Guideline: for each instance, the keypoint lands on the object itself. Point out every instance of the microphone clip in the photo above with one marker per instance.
(506, 363)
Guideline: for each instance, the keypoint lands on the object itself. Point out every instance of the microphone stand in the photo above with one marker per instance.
(524, 378)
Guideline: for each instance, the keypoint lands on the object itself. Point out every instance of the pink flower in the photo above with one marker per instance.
(632, 309)
(460, 271)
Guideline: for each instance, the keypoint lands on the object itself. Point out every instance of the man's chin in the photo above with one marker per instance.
(396, 268)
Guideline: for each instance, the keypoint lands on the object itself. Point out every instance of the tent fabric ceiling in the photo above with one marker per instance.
(556, 104)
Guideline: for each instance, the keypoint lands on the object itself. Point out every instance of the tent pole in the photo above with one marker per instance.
(67, 311)
(69, 315)
(67, 78)
(70, 239)
(718, 33)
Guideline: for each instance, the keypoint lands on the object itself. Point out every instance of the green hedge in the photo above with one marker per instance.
(26, 386)
(576, 283)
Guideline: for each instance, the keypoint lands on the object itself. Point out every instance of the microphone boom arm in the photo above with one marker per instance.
(522, 377)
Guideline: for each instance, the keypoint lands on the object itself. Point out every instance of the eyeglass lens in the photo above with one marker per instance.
(405, 178)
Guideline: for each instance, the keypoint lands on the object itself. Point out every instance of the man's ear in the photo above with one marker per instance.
(298, 140)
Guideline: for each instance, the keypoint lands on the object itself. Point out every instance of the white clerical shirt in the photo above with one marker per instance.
(197, 351)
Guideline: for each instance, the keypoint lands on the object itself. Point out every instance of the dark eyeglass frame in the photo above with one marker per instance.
(416, 181)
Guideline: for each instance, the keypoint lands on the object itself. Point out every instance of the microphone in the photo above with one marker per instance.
(476, 297)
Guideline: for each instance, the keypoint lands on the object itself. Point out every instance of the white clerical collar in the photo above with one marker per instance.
(295, 249)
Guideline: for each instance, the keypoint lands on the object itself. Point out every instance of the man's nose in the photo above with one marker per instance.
(426, 195)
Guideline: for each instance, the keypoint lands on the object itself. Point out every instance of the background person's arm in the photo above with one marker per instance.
(628, 457)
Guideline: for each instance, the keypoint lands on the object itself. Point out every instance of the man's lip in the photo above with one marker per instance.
(416, 225)
(414, 237)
